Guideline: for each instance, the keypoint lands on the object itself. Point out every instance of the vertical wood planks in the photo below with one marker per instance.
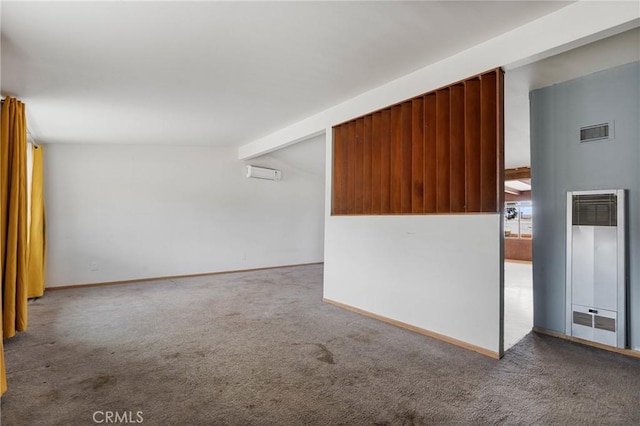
(376, 163)
(441, 152)
(385, 170)
(396, 159)
(488, 143)
(417, 156)
(407, 158)
(367, 163)
(359, 166)
(351, 167)
(457, 149)
(344, 202)
(472, 144)
(430, 176)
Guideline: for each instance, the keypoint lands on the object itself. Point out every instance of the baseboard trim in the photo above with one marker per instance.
(528, 262)
(628, 352)
(438, 336)
(170, 277)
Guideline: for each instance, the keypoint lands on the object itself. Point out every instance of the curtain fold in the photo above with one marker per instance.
(37, 258)
(13, 220)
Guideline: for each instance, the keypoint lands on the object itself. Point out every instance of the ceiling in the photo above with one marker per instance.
(517, 186)
(221, 73)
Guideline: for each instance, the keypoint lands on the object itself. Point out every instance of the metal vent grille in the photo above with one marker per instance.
(582, 319)
(595, 210)
(594, 133)
(604, 323)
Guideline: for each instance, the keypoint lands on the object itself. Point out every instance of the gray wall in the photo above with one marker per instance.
(560, 164)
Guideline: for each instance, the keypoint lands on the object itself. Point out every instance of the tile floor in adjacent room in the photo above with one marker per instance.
(518, 302)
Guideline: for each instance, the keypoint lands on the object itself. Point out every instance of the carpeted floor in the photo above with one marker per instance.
(260, 348)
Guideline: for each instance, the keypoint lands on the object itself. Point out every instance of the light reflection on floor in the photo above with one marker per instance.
(518, 302)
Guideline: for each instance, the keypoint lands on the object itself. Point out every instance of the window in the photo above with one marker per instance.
(517, 219)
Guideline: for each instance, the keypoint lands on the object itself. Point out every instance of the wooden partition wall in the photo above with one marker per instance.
(441, 152)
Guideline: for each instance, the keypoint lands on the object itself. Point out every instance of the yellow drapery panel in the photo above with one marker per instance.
(13, 220)
(13, 225)
(37, 237)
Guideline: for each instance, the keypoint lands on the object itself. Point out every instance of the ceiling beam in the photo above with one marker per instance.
(518, 173)
(511, 191)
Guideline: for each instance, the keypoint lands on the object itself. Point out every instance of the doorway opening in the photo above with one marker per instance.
(518, 234)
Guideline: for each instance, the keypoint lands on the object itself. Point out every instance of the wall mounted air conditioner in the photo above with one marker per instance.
(596, 266)
(263, 173)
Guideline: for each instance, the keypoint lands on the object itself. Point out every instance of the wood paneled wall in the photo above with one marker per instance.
(441, 152)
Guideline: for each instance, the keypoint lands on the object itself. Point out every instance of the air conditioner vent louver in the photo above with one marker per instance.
(595, 210)
(595, 133)
(604, 323)
(582, 319)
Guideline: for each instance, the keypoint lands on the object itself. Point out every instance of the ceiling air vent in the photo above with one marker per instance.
(597, 132)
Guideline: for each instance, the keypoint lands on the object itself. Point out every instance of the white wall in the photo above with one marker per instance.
(141, 211)
(0, 47)
(439, 272)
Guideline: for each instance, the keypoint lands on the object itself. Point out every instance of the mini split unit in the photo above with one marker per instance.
(263, 173)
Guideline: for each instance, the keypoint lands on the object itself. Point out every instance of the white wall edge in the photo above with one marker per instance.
(572, 26)
(328, 186)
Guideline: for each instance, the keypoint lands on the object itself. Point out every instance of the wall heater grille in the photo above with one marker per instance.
(595, 210)
(596, 266)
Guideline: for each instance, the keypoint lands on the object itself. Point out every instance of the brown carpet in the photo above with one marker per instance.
(260, 348)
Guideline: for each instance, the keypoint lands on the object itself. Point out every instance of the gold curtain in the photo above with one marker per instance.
(13, 220)
(37, 238)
